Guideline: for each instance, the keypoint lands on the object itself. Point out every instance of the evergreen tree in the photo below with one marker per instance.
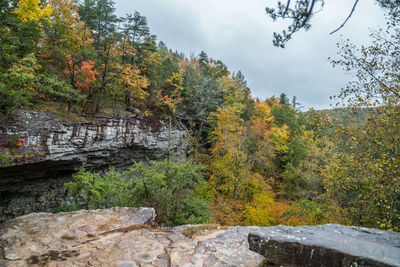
(283, 99)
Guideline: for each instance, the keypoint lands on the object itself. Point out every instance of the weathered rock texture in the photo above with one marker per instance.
(326, 245)
(50, 149)
(124, 237)
(119, 237)
(52, 145)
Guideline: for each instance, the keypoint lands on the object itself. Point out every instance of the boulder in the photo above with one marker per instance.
(120, 237)
(326, 245)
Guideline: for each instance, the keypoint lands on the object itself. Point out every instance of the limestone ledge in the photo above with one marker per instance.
(97, 142)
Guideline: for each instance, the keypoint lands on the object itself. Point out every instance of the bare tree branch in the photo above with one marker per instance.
(348, 17)
(287, 9)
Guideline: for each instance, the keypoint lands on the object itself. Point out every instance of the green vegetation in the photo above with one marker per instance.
(265, 162)
(165, 185)
(65, 208)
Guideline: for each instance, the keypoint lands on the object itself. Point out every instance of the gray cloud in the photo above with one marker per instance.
(240, 34)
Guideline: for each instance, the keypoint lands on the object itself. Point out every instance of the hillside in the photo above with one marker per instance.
(98, 113)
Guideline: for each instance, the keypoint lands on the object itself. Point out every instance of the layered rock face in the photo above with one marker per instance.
(39, 152)
(326, 245)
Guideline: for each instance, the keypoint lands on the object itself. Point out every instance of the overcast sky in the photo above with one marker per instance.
(239, 33)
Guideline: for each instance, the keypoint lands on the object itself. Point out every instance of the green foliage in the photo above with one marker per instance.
(65, 208)
(4, 161)
(266, 162)
(23, 87)
(94, 191)
(169, 188)
(313, 213)
(292, 180)
(166, 186)
(363, 175)
(18, 84)
(8, 99)
(51, 88)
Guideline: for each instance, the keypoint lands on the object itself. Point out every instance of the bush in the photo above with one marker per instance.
(94, 191)
(166, 186)
(65, 208)
(4, 161)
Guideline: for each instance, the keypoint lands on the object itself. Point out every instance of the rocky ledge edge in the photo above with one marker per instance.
(326, 245)
(125, 237)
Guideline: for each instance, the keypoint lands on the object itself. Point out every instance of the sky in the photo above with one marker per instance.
(239, 33)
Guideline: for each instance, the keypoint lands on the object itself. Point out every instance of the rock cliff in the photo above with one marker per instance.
(39, 151)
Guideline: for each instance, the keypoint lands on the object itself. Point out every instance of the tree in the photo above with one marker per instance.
(83, 76)
(87, 13)
(283, 99)
(18, 36)
(33, 11)
(133, 85)
(23, 86)
(230, 162)
(100, 18)
(136, 29)
(203, 60)
(67, 42)
(300, 12)
(363, 175)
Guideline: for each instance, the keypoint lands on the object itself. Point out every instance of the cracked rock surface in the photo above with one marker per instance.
(326, 245)
(120, 237)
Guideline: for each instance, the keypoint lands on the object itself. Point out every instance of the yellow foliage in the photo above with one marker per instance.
(31, 10)
(134, 82)
(176, 80)
(172, 97)
(280, 137)
(262, 112)
(65, 15)
(258, 212)
(229, 162)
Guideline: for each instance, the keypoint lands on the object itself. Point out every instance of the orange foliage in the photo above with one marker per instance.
(227, 211)
(20, 142)
(86, 73)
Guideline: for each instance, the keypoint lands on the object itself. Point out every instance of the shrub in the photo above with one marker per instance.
(94, 191)
(4, 161)
(64, 208)
(167, 186)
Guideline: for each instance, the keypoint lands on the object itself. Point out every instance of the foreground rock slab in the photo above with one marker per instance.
(120, 237)
(326, 245)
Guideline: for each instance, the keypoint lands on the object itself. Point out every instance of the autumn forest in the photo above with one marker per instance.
(251, 161)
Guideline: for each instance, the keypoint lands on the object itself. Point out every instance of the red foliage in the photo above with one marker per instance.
(20, 142)
(85, 73)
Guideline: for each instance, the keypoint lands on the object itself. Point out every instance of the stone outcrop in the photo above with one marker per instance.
(125, 237)
(326, 245)
(120, 237)
(39, 151)
(51, 144)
